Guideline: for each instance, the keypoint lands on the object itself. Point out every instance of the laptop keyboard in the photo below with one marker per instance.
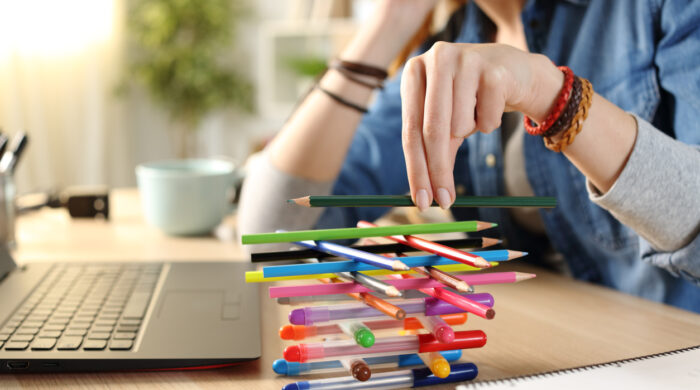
(83, 307)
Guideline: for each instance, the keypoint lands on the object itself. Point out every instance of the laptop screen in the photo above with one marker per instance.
(6, 262)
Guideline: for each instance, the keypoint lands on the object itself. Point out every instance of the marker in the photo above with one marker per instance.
(383, 346)
(358, 332)
(436, 363)
(283, 367)
(357, 368)
(438, 327)
(337, 297)
(403, 284)
(391, 380)
(427, 306)
(300, 332)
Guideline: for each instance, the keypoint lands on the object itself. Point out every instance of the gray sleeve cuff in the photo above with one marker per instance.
(658, 192)
(263, 203)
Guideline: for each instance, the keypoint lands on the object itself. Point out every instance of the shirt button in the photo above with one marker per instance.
(490, 160)
(461, 189)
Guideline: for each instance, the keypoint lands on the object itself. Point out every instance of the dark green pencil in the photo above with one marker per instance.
(405, 201)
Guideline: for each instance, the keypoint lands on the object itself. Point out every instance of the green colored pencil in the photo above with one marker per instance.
(380, 231)
(405, 201)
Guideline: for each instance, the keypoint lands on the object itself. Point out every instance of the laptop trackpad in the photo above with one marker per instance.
(188, 304)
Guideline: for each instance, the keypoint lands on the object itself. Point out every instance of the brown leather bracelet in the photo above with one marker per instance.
(363, 69)
(564, 121)
(349, 75)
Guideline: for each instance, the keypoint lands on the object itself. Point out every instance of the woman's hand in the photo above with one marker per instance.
(456, 89)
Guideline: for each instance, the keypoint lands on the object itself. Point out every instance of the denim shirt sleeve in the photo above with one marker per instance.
(679, 76)
(375, 162)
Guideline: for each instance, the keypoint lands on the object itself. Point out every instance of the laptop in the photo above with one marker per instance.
(126, 316)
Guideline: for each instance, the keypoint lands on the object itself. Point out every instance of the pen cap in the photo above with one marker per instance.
(458, 373)
(283, 367)
(434, 306)
(463, 339)
(297, 332)
(413, 359)
(308, 315)
(303, 352)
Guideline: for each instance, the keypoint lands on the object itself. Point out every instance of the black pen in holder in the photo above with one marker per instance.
(7, 210)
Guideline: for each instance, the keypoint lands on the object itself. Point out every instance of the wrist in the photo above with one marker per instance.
(547, 82)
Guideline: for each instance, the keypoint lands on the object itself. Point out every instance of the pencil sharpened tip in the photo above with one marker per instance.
(515, 254)
(484, 225)
(486, 242)
(519, 276)
(400, 266)
(393, 292)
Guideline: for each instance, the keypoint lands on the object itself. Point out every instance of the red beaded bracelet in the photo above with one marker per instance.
(559, 105)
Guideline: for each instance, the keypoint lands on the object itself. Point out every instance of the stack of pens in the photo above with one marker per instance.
(410, 310)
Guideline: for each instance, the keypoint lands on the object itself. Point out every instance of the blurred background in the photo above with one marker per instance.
(103, 85)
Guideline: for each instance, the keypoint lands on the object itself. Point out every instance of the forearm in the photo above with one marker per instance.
(314, 142)
(600, 151)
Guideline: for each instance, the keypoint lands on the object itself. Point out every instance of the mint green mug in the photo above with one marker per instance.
(186, 197)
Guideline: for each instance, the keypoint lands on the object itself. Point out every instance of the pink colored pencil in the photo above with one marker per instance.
(448, 296)
(435, 248)
(403, 284)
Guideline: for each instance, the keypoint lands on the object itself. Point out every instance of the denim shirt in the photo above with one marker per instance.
(640, 55)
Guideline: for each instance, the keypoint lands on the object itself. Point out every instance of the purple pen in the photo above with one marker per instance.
(427, 306)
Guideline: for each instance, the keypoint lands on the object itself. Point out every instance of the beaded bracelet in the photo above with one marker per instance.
(559, 105)
(576, 123)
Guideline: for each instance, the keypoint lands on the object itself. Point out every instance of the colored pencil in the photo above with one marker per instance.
(296, 254)
(460, 301)
(294, 301)
(372, 301)
(404, 284)
(370, 282)
(405, 201)
(435, 248)
(350, 266)
(343, 233)
(311, 315)
(355, 255)
(258, 277)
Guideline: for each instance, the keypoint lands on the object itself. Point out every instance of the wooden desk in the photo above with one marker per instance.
(547, 323)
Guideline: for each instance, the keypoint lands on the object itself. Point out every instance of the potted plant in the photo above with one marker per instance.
(176, 53)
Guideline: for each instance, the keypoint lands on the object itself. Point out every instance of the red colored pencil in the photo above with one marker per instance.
(454, 299)
(433, 247)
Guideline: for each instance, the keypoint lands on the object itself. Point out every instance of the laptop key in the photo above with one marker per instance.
(75, 332)
(99, 335)
(27, 330)
(54, 326)
(94, 345)
(127, 328)
(69, 343)
(102, 328)
(49, 333)
(43, 344)
(120, 345)
(22, 337)
(16, 345)
(130, 322)
(124, 336)
(136, 307)
(4, 336)
(8, 329)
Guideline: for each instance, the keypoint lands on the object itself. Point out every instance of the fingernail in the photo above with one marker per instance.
(422, 200)
(444, 198)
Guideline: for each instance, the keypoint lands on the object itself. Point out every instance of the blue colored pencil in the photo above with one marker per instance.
(349, 266)
(355, 255)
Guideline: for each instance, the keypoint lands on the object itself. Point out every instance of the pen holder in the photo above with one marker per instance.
(7, 210)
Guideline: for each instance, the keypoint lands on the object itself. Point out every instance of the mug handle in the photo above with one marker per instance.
(236, 180)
